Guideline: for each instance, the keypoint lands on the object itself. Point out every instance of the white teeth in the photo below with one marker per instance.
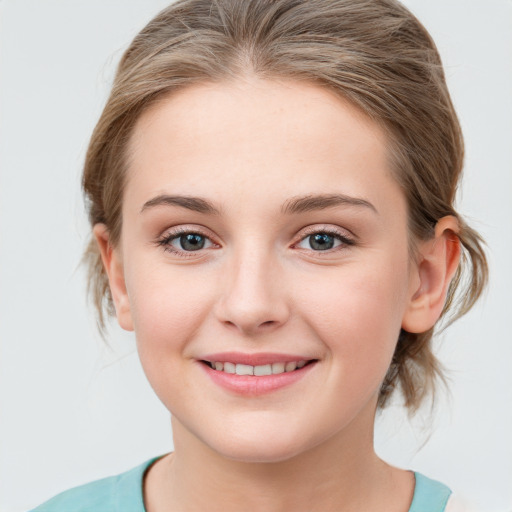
(229, 368)
(290, 366)
(261, 370)
(244, 369)
(277, 368)
(265, 369)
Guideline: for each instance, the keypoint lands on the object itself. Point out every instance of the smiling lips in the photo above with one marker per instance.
(255, 374)
(259, 370)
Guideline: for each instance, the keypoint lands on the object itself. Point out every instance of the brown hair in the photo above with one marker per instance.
(374, 53)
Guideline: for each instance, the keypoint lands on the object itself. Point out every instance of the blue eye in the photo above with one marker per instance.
(191, 241)
(182, 242)
(321, 241)
(324, 241)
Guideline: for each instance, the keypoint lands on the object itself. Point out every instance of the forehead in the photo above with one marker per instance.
(257, 138)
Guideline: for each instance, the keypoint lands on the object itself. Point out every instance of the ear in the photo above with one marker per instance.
(113, 265)
(438, 260)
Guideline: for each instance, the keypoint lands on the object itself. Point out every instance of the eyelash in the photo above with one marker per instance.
(165, 241)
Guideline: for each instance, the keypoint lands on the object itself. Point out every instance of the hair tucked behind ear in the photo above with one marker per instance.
(373, 53)
(98, 287)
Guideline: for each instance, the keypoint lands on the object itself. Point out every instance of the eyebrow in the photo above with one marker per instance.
(196, 204)
(292, 206)
(322, 201)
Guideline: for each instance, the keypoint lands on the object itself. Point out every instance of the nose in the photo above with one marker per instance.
(253, 295)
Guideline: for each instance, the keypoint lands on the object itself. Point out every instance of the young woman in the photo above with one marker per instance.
(271, 194)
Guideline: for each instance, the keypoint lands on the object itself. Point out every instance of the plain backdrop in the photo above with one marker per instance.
(73, 411)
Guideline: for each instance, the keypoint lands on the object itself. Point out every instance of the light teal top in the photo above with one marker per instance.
(123, 493)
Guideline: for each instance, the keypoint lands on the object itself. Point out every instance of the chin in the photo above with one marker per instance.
(259, 453)
(261, 446)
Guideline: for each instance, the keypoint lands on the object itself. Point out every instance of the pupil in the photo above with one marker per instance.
(321, 241)
(192, 242)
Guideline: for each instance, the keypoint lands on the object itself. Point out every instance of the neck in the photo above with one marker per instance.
(343, 473)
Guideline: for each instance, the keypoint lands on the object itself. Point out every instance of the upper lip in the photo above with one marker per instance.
(254, 359)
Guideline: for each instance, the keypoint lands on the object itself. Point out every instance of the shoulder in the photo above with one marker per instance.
(121, 492)
(433, 496)
(94, 496)
(429, 495)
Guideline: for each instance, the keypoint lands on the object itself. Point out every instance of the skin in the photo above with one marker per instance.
(258, 285)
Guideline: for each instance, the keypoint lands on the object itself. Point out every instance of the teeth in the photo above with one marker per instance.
(265, 369)
(277, 368)
(261, 370)
(229, 367)
(290, 366)
(244, 369)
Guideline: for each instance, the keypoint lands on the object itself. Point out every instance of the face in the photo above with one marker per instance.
(262, 226)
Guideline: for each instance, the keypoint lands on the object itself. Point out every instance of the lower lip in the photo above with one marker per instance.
(249, 385)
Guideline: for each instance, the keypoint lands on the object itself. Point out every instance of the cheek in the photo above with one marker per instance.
(167, 305)
(358, 314)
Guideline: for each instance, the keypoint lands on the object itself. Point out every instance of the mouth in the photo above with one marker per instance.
(276, 368)
(256, 374)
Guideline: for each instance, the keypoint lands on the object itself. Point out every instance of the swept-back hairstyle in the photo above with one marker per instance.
(373, 53)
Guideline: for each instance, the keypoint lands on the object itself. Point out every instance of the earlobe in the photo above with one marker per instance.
(438, 260)
(113, 265)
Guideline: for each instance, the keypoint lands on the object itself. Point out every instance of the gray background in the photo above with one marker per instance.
(73, 411)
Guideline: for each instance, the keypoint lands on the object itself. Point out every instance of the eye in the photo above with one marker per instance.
(325, 240)
(182, 241)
